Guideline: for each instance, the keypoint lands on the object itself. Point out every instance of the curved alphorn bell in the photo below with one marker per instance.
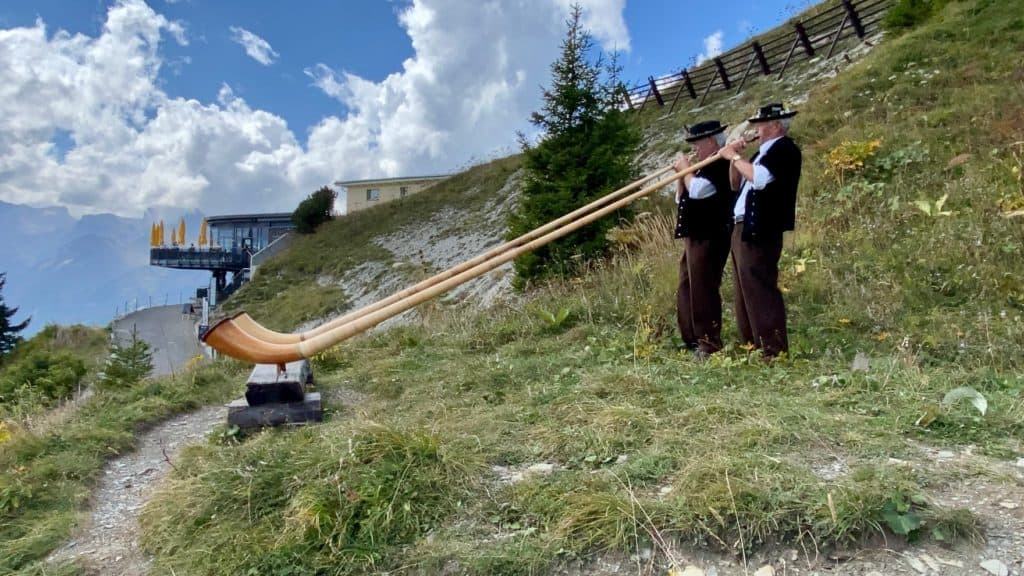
(242, 338)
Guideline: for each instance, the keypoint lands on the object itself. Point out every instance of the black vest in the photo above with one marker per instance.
(707, 218)
(771, 211)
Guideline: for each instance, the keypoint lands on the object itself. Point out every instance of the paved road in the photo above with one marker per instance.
(170, 334)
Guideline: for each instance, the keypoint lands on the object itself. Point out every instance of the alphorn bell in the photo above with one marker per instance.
(231, 337)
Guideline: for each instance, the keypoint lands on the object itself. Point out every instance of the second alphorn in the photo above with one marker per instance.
(246, 324)
(228, 338)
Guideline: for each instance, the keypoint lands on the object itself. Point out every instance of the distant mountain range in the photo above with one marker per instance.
(65, 270)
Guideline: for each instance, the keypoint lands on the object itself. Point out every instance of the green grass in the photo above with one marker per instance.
(646, 445)
(47, 472)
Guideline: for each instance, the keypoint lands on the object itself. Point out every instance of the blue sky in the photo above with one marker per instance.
(227, 106)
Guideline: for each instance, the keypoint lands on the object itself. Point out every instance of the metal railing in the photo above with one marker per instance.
(199, 259)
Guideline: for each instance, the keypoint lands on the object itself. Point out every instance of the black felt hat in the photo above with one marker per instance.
(704, 129)
(773, 111)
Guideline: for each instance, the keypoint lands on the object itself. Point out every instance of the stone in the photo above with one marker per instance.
(765, 571)
(860, 363)
(995, 568)
(1009, 505)
(541, 468)
(271, 393)
(917, 565)
(241, 414)
(930, 562)
(958, 160)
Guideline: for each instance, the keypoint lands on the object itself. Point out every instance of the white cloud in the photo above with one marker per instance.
(712, 46)
(603, 18)
(257, 48)
(85, 124)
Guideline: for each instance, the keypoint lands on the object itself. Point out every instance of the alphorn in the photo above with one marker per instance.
(246, 324)
(229, 338)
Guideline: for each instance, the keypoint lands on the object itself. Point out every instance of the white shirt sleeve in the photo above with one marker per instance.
(701, 188)
(762, 177)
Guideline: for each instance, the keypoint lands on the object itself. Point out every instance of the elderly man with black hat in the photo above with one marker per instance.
(765, 208)
(705, 204)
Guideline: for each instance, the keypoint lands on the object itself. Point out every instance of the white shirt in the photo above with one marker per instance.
(762, 178)
(699, 187)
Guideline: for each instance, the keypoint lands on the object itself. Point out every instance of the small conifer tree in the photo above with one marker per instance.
(9, 330)
(588, 149)
(128, 363)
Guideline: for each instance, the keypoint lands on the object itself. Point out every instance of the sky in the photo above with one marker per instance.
(229, 106)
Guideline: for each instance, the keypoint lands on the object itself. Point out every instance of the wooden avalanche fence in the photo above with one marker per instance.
(771, 54)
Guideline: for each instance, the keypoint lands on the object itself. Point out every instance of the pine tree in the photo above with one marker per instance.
(8, 332)
(128, 363)
(588, 149)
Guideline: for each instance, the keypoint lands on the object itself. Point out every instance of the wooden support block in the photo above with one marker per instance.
(276, 414)
(299, 371)
(268, 384)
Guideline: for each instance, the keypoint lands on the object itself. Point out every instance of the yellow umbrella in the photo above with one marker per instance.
(202, 233)
(181, 231)
(152, 235)
(160, 232)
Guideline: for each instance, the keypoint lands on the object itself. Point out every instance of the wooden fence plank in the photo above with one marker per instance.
(788, 58)
(747, 73)
(835, 38)
(708, 90)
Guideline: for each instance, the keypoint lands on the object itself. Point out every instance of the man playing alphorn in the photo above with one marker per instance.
(705, 203)
(765, 208)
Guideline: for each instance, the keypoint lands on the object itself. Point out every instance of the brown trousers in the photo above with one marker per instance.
(760, 311)
(698, 301)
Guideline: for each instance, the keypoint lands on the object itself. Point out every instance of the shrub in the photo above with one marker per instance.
(906, 14)
(41, 378)
(314, 210)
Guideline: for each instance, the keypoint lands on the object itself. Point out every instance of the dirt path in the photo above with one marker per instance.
(107, 542)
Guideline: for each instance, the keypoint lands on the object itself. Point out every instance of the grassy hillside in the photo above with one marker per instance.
(286, 291)
(51, 456)
(507, 442)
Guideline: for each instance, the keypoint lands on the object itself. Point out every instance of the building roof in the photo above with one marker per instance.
(279, 217)
(348, 183)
